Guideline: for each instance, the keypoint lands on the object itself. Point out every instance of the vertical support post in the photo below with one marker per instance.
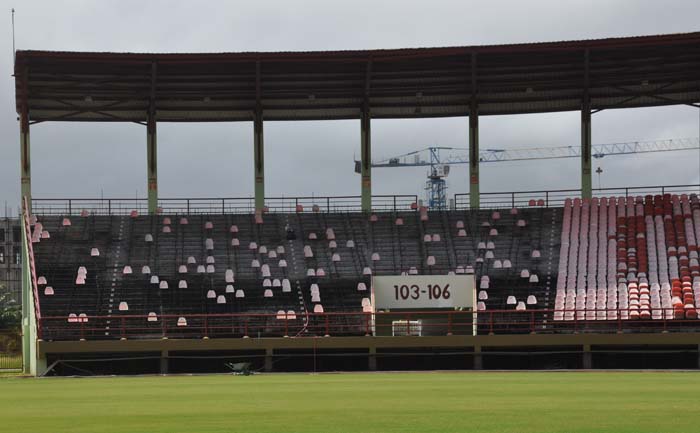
(164, 364)
(474, 198)
(586, 165)
(27, 306)
(152, 164)
(586, 172)
(366, 145)
(478, 362)
(258, 145)
(25, 155)
(30, 331)
(259, 157)
(268, 359)
(152, 147)
(587, 357)
(372, 359)
(366, 163)
(25, 148)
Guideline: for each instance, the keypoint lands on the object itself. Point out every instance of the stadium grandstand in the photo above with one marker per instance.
(534, 279)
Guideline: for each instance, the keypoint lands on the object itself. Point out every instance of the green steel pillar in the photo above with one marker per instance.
(29, 326)
(366, 160)
(28, 340)
(25, 156)
(26, 309)
(259, 163)
(473, 156)
(586, 172)
(152, 163)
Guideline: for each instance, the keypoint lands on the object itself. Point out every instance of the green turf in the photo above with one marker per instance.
(394, 402)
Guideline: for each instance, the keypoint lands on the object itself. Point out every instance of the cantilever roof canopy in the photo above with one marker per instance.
(396, 83)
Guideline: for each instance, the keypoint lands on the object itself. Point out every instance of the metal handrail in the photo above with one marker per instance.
(449, 322)
(326, 204)
(556, 197)
(221, 205)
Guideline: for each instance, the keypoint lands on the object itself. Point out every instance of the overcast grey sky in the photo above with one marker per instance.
(304, 158)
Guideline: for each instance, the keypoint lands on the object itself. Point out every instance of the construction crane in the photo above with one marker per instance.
(439, 160)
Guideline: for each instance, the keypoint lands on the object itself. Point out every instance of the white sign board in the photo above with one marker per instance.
(423, 291)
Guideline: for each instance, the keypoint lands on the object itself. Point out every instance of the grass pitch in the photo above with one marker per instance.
(392, 402)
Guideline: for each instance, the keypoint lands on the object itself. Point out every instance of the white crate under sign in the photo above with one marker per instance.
(404, 328)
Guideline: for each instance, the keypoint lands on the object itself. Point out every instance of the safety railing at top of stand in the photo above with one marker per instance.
(190, 206)
(556, 198)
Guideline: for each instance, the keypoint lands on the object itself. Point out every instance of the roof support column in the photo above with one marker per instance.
(259, 159)
(366, 144)
(366, 160)
(473, 156)
(152, 164)
(24, 143)
(474, 198)
(586, 156)
(152, 147)
(586, 172)
(258, 144)
(25, 157)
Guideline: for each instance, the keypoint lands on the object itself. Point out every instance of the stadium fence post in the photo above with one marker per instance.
(164, 363)
(269, 353)
(477, 359)
(372, 359)
(587, 357)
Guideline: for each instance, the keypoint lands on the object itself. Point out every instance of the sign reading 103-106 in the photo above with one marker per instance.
(423, 291)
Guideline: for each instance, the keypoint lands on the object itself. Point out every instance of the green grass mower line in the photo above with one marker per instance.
(377, 402)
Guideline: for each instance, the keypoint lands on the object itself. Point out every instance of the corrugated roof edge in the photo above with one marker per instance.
(376, 54)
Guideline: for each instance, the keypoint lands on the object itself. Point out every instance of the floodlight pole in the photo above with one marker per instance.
(586, 157)
(474, 199)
